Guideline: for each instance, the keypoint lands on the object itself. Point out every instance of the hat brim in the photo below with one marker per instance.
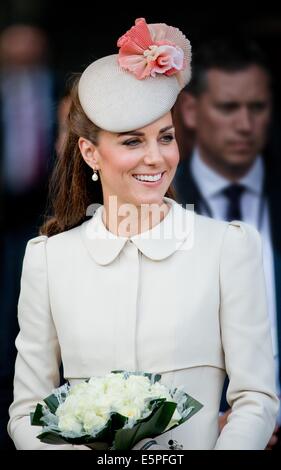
(116, 101)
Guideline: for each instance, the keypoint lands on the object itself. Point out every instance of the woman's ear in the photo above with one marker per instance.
(89, 152)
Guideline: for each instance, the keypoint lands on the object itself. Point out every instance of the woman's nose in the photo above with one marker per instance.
(153, 154)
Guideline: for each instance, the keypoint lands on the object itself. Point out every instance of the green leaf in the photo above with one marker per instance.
(35, 418)
(117, 421)
(52, 437)
(52, 403)
(107, 434)
(194, 405)
(154, 425)
(155, 403)
(98, 445)
(55, 437)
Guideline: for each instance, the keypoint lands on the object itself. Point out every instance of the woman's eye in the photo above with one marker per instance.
(167, 138)
(131, 142)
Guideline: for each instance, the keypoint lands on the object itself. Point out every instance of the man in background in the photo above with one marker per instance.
(230, 174)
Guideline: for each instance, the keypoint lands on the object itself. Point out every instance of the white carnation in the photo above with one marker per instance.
(130, 411)
(68, 423)
(160, 391)
(93, 422)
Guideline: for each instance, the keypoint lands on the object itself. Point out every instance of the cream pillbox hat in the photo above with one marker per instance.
(134, 88)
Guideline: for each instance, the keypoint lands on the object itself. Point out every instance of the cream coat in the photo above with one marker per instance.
(188, 305)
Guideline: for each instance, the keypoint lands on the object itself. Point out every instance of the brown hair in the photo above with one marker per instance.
(71, 190)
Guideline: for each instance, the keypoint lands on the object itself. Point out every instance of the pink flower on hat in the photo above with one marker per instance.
(145, 55)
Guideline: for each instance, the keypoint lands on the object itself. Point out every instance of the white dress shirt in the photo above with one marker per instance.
(254, 211)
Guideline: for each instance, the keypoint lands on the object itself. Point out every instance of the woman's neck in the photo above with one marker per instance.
(127, 220)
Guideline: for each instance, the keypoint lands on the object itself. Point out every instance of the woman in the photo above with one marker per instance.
(143, 284)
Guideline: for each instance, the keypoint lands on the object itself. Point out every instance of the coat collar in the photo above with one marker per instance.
(157, 244)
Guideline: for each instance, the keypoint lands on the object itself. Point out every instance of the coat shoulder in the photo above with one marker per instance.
(207, 222)
(65, 241)
(234, 232)
(236, 227)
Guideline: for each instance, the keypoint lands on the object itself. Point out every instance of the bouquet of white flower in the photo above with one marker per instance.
(112, 412)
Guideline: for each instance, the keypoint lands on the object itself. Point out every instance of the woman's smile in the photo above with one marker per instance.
(149, 179)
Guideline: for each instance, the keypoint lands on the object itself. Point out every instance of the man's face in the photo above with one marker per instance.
(231, 117)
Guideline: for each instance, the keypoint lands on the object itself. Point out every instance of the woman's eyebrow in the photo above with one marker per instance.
(138, 133)
(131, 133)
(166, 129)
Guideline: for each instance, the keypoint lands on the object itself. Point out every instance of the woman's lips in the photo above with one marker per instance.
(146, 182)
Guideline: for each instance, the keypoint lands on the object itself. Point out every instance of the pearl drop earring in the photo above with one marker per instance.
(95, 176)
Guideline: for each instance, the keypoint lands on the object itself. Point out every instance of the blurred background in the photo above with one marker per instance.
(42, 43)
(88, 30)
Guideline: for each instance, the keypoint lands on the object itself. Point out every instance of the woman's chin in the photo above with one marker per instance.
(149, 199)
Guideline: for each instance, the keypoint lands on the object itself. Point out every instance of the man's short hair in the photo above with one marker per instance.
(229, 55)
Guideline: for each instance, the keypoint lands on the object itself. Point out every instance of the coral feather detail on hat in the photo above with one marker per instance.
(147, 50)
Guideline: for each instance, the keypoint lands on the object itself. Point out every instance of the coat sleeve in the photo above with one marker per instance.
(246, 339)
(38, 358)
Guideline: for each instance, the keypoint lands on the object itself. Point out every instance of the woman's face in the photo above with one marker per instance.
(137, 166)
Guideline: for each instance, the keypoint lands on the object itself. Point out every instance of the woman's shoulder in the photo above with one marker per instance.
(233, 239)
(35, 252)
(210, 231)
(224, 233)
(234, 228)
(62, 239)
(208, 223)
